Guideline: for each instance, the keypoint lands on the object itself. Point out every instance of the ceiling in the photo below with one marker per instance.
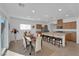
(41, 11)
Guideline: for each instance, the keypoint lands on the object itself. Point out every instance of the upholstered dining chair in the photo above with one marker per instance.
(37, 45)
(24, 42)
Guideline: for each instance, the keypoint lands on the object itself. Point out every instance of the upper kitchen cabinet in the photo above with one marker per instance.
(69, 25)
(38, 26)
(60, 24)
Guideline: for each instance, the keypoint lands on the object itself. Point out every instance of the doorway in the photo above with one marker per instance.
(2, 36)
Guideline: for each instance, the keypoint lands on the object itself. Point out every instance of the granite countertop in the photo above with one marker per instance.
(55, 33)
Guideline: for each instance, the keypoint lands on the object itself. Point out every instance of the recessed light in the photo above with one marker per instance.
(59, 9)
(33, 11)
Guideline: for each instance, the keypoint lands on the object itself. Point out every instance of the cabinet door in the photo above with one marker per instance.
(68, 37)
(71, 37)
(38, 26)
(69, 25)
(73, 25)
(60, 23)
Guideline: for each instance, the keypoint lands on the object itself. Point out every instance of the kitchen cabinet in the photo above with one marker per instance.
(71, 36)
(69, 25)
(38, 26)
(60, 24)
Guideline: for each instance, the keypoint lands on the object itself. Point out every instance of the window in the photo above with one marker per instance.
(25, 26)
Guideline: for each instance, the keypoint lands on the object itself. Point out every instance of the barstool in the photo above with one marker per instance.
(44, 37)
(48, 38)
(59, 41)
(52, 40)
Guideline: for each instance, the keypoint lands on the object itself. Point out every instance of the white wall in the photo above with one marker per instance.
(5, 41)
(15, 23)
(6, 35)
(51, 26)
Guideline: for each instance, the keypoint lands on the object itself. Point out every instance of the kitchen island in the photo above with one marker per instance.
(57, 35)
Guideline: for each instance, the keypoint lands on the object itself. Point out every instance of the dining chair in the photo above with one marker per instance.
(24, 42)
(27, 45)
(34, 45)
(37, 45)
